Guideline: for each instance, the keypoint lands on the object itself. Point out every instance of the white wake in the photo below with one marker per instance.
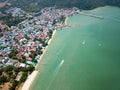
(58, 67)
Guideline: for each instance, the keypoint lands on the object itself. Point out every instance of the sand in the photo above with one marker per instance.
(66, 20)
(29, 80)
(46, 48)
(32, 76)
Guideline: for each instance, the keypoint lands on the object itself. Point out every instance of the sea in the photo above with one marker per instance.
(85, 55)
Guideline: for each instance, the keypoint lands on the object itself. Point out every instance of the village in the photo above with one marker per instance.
(22, 45)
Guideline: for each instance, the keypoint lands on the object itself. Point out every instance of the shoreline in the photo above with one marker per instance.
(66, 19)
(39, 60)
(30, 79)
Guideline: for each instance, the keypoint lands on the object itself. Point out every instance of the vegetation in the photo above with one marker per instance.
(50, 33)
(3, 79)
(30, 68)
(62, 18)
(14, 84)
(1, 70)
(24, 77)
(10, 20)
(13, 54)
(8, 68)
(9, 73)
(36, 5)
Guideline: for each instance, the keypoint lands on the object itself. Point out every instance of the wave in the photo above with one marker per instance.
(58, 67)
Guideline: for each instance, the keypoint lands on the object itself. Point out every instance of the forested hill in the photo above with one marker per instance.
(34, 5)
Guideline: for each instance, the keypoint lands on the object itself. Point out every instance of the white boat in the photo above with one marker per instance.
(61, 62)
(83, 42)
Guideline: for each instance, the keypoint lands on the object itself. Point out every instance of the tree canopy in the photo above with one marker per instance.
(36, 5)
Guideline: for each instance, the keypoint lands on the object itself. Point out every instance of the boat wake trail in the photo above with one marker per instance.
(54, 74)
(58, 67)
(83, 42)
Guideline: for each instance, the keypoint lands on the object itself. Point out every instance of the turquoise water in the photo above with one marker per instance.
(85, 56)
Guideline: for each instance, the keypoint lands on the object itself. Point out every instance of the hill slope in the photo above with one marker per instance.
(34, 5)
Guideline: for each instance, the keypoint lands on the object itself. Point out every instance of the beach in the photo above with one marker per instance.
(66, 19)
(29, 80)
(90, 53)
(33, 75)
(46, 47)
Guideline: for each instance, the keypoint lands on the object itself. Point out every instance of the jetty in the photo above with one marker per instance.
(92, 15)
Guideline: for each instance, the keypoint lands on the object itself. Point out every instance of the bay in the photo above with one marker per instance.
(85, 56)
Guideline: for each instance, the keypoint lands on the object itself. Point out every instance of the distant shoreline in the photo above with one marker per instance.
(39, 60)
(2, 4)
(33, 75)
(66, 19)
(28, 83)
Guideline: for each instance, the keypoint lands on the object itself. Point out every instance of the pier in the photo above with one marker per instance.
(92, 15)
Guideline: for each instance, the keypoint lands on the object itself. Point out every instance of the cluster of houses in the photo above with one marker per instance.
(2, 14)
(16, 12)
(29, 37)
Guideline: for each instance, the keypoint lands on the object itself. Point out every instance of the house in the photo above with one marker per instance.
(22, 65)
(6, 60)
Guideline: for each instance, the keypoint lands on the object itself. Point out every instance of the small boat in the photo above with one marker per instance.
(62, 62)
(99, 44)
(83, 42)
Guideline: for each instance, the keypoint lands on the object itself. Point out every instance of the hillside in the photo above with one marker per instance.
(35, 5)
(2, 3)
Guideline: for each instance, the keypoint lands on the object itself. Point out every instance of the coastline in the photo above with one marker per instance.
(27, 84)
(66, 19)
(28, 43)
(32, 76)
(45, 48)
(29, 80)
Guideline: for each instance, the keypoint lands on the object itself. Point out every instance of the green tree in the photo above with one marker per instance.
(3, 79)
(62, 18)
(1, 70)
(8, 68)
(24, 77)
(13, 54)
(14, 84)
(23, 69)
(10, 73)
(54, 22)
(31, 68)
(16, 69)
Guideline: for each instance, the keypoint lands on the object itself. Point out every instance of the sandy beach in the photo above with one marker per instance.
(33, 75)
(29, 80)
(46, 48)
(66, 20)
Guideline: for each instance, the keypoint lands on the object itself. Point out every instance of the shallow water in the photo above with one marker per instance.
(90, 49)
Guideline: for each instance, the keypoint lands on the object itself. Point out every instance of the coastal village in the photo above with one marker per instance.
(21, 46)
